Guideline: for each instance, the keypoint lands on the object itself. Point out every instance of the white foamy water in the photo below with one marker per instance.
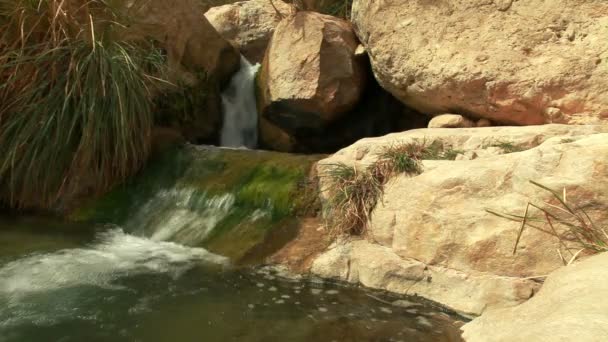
(181, 215)
(240, 127)
(115, 255)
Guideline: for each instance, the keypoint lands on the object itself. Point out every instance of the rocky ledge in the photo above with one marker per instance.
(430, 234)
(571, 306)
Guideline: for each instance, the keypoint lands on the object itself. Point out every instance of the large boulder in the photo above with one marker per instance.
(192, 43)
(377, 113)
(248, 25)
(310, 76)
(519, 62)
(430, 234)
(571, 306)
(450, 121)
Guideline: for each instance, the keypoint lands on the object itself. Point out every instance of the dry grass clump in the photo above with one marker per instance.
(568, 223)
(353, 193)
(75, 99)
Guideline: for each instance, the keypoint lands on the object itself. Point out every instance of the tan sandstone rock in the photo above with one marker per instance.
(439, 217)
(190, 40)
(520, 62)
(450, 121)
(310, 75)
(571, 306)
(248, 25)
(483, 123)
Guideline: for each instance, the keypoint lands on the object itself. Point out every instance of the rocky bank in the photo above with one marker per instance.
(430, 234)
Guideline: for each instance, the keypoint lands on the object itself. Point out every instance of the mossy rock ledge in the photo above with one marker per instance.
(242, 204)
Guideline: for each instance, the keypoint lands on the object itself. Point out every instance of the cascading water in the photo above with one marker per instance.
(239, 105)
(169, 275)
(181, 215)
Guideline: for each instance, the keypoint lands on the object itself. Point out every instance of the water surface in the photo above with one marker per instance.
(101, 284)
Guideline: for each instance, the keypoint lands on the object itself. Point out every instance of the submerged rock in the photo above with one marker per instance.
(571, 306)
(431, 233)
(518, 62)
(248, 25)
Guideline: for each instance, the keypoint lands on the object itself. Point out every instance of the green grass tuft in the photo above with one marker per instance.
(75, 102)
(337, 8)
(508, 147)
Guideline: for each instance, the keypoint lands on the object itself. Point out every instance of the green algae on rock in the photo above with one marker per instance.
(229, 201)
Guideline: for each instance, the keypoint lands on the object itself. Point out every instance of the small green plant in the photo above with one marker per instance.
(401, 158)
(568, 223)
(451, 154)
(508, 147)
(179, 102)
(337, 8)
(437, 150)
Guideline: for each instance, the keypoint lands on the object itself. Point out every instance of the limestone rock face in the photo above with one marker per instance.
(379, 267)
(571, 306)
(190, 40)
(518, 62)
(439, 218)
(450, 121)
(248, 25)
(310, 75)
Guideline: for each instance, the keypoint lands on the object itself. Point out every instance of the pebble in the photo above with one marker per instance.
(424, 321)
(386, 310)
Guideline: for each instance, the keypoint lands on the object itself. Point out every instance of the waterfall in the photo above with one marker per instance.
(239, 105)
(182, 215)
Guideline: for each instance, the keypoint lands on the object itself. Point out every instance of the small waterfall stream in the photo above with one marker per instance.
(162, 271)
(170, 267)
(240, 127)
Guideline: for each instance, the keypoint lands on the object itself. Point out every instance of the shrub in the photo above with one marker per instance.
(75, 100)
(568, 223)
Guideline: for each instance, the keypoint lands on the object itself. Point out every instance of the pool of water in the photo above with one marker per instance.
(101, 284)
